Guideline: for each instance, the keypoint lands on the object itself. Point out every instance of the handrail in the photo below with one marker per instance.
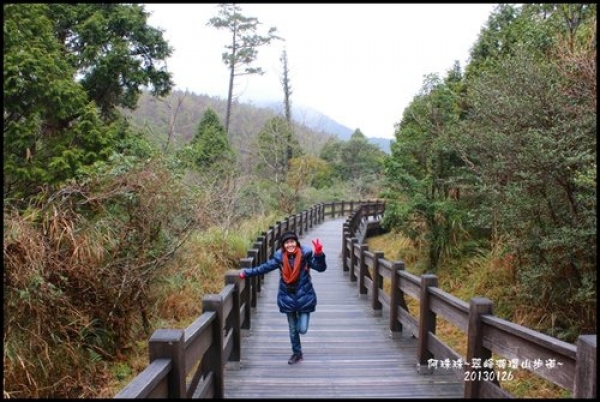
(213, 341)
(570, 366)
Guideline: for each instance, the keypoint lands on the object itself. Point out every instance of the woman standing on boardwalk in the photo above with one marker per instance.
(296, 295)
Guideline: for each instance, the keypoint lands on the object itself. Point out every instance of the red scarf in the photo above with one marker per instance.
(291, 275)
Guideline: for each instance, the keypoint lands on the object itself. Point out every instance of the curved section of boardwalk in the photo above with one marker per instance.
(348, 352)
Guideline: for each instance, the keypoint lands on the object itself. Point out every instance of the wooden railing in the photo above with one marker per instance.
(570, 366)
(190, 363)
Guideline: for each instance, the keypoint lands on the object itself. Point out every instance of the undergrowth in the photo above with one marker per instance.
(197, 270)
(173, 297)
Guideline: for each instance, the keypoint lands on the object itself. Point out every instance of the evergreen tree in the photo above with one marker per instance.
(243, 48)
(530, 138)
(360, 158)
(66, 70)
(210, 144)
(422, 170)
(276, 147)
(355, 159)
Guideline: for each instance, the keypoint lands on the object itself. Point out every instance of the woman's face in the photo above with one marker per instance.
(290, 245)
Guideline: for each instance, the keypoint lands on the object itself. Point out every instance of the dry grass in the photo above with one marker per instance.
(48, 327)
(77, 269)
(197, 270)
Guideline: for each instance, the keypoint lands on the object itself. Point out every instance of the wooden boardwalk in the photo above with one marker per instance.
(348, 352)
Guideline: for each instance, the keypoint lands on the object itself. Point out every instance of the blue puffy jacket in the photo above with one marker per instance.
(301, 297)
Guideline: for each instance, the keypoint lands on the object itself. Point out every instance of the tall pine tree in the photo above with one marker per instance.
(243, 48)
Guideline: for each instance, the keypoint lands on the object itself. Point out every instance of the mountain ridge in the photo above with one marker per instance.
(320, 122)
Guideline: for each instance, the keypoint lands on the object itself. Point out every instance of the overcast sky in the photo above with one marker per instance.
(359, 64)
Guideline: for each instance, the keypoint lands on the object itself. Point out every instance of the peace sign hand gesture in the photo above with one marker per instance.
(317, 247)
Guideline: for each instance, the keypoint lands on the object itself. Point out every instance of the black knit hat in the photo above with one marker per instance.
(288, 235)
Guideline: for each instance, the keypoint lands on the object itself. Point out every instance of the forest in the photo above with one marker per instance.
(125, 201)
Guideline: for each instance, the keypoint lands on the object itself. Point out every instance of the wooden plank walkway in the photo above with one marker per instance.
(348, 352)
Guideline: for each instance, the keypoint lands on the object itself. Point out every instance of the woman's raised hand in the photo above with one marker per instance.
(317, 247)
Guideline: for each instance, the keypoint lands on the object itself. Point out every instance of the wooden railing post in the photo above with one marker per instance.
(247, 263)
(585, 367)
(318, 212)
(299, 224)
(286, 224)
(478, 306)
(233, 362)
(254, 288)
(271, 241)
(362, 270)
(345, 237)
(277, 234)
(260, 258)
(427, 320)
(396, 299)
(169, 344)
(257, 245)
(264, 249)
(377, 284)
(353, 242)
(305, 221)
(213, 359)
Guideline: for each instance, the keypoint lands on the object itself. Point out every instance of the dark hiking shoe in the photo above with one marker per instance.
(295, 358)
